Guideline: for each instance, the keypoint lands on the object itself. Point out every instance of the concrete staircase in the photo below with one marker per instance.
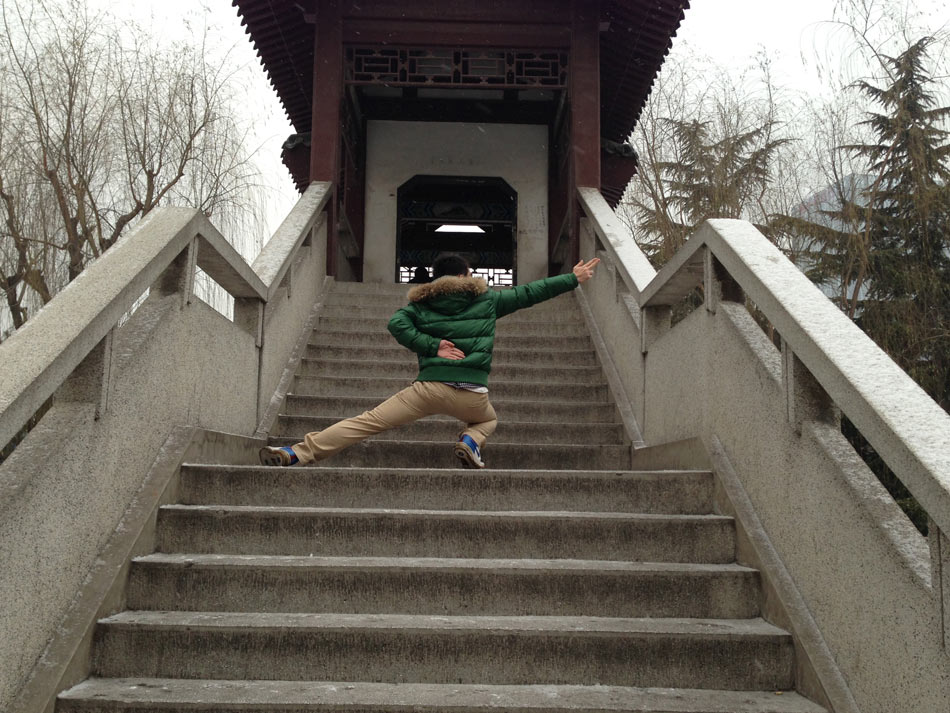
(388, 580)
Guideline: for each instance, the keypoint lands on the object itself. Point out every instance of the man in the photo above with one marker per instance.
(450, 324)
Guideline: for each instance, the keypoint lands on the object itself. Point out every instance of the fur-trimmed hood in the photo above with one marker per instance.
(448, 285)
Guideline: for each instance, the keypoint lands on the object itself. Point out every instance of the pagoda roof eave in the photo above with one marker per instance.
(636, 36)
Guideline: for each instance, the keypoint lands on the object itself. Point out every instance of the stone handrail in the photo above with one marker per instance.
(38, 358)
(904, 425)
(633, 266)
(277, 255)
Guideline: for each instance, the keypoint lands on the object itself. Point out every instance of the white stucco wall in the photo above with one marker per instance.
(399, 150)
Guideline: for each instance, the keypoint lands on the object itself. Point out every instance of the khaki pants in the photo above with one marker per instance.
(423, 398)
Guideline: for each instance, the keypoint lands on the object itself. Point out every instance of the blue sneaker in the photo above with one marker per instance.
(466, 450)
(277, 455)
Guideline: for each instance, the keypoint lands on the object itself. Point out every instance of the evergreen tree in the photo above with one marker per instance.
(717, 172)
(886, 238)
(886, 235)
(907, 307)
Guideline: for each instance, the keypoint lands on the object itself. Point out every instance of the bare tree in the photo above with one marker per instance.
(706, 151)
(99, 124)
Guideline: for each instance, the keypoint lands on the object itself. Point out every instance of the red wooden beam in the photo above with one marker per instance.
(585, 93)
(453, 34)
(522, 11)
(325, 122)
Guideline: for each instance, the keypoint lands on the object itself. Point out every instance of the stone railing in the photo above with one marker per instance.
(121, 383)
(866, 578)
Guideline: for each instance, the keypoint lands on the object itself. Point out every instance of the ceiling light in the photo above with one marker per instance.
(459, 229)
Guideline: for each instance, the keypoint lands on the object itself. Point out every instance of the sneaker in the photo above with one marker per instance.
(466, 450)
(277, 455)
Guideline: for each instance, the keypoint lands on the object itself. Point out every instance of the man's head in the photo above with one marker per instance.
(449, 264)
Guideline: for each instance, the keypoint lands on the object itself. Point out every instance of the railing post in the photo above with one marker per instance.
(718, 284)
(654, 323)
(805, 399)
(91, 381)
(940, 577)
(249, 316)
(179, 276)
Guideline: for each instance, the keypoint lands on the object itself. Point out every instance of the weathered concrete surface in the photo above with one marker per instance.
(376, 453)
(575, 571)
(860, 567)
(289, 307)
(858, 562)
(39, 357)
(67, 484)
(509, 409)
(443, 533)
(398, 150)
(746, 654)
(272, 264)
(669, 492)
(69, 481)
(450, 586)
(408, 368)
(616, 319)
(115, 696)
(536, 391)
(383, 339)
(447, 429)
(502, 356)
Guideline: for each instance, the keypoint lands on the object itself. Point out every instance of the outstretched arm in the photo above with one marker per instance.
(515, 298)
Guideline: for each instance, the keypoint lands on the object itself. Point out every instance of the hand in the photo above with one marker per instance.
(447, 350)
(585, 271)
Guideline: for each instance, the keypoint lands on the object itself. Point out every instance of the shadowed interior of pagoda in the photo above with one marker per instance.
(474, 216)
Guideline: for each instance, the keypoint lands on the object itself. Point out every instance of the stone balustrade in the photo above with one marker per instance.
(857, 570)
(122, 380)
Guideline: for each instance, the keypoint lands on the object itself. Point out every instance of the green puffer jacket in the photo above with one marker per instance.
(463, 310)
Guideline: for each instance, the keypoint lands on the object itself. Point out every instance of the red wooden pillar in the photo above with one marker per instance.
(585, 105)
(325, 122)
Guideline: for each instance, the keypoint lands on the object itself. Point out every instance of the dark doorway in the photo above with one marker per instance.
(474, 216)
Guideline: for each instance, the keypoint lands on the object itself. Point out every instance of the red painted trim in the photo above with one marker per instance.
(421, 33)
(522, 11)
(585, 110)
(585, 93)
(325, 123)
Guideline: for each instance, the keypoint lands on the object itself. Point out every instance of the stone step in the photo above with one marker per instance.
(165, 695)
(382, 388)
(408, 368)
(351, 290)
(563, 312)
(371, 532)
(507, 409)
(502, 341)
(731, 654)
(367, 585)
(444, 428)
(501, 356)
(374, 453)
(662, 492)
(504, 327)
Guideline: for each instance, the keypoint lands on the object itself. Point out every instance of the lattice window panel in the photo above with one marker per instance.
(407, 66)
(494, 276)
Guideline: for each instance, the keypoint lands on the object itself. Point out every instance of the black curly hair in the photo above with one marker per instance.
(449, 264)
